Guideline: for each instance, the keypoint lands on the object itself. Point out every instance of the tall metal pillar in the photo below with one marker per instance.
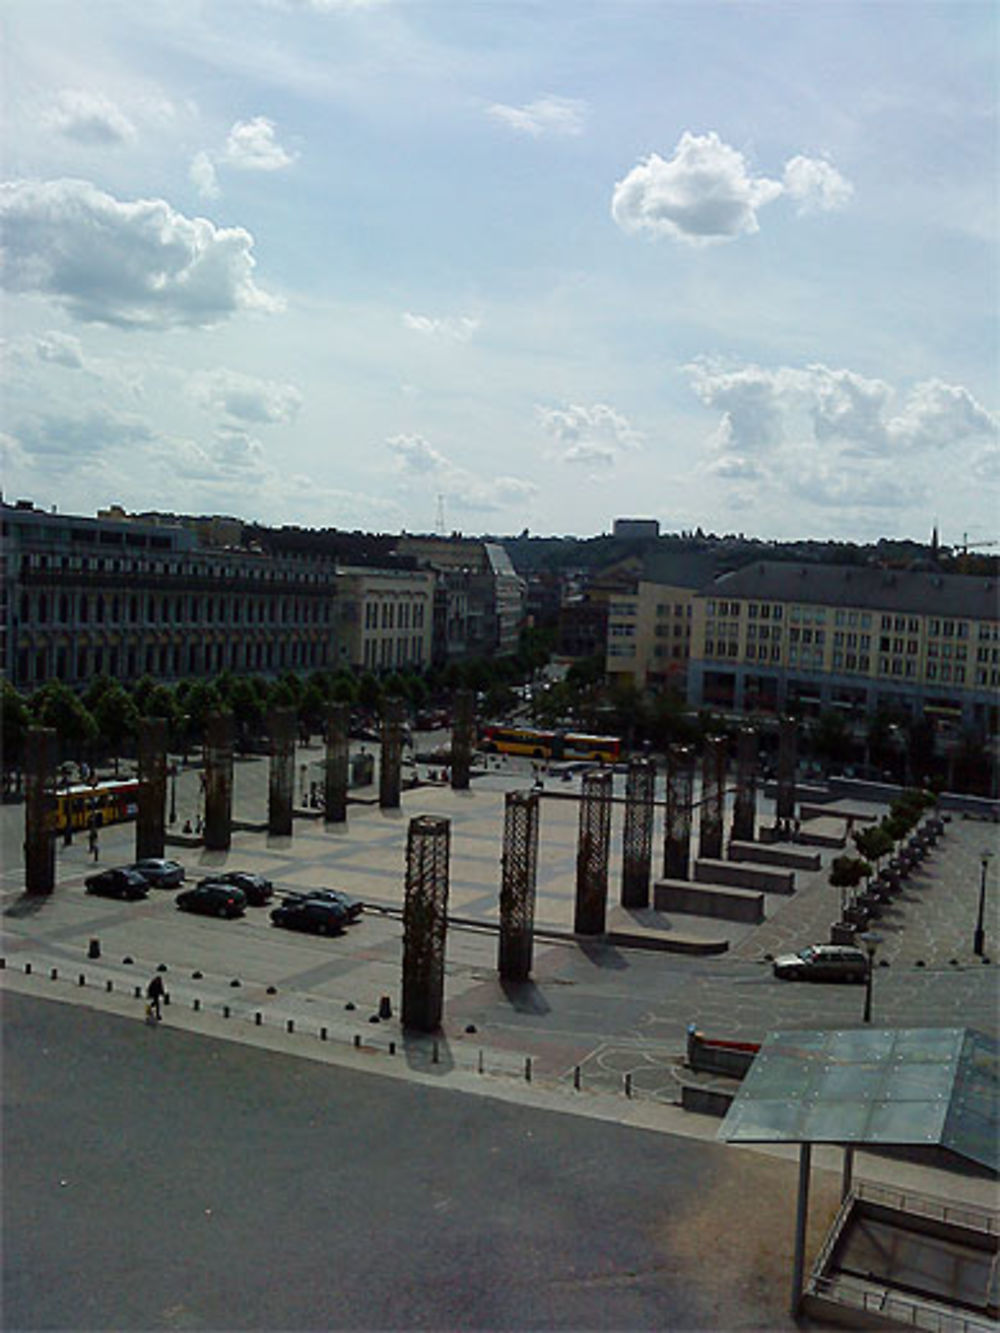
(337, 753)
(150, 826)
(39, 810)
(391, 760)
(281, 725)
(801, 1221)
(787, 759)
(637, 836)
(592, 853)
(517, 885)
(713, 795)
(463, 736)
(745, 804)
(680, 794)
(218, 782)
(425, 921)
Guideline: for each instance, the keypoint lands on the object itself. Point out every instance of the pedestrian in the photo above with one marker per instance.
(187, 826)
(92, 841)
(154, 994)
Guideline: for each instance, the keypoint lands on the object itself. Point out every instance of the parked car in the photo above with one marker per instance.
(159, 872)
(121, 883)
(259, 891)
(213, 899)
(823, 962)
(352, 906)
(311, 914)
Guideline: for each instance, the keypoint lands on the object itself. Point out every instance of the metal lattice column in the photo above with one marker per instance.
(218, 782)
(713, 795)
(151, 825)
(390, 763)
(677, 824)
(592, 853)
(463, 736)
(519, 866)
(425, 921)
(745, 803)
(788, 736)
(337, 753)
(281, 724)
(637, 836)
(39, 810)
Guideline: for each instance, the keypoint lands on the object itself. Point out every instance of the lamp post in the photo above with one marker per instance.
(172, 817)
(871, 939)
(979, 939)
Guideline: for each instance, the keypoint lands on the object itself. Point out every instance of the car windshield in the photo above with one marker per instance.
(808, 955)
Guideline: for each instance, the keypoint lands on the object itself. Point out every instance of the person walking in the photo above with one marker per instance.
(92, 841)
(154, 994)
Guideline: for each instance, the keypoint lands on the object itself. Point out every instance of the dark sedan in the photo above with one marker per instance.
(123, 883)
(352, 907)
(310, 914)
(160, 873)
(259, 891)
(212, 899)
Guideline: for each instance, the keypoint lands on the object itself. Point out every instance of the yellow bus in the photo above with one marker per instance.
(540, 744)
(92, 805)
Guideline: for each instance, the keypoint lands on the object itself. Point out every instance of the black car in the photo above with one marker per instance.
(159, 872)
(311, 914)
(122, 883)
(212, 899)
(353, 907)
(258, 890)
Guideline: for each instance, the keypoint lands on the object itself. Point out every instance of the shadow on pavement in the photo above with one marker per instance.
(420, 1053)
(29, 904)
(525, 997)
(603, 955)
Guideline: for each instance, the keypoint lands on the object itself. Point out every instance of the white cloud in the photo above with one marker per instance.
(132, 264)
(60, 349)
(457, 328)
(416, 459)
(202, 175)
(816, 185)
(938, 415)
(252, 146)
(90, 118)
(547, 115)
(245, 398)
(706, 193)
(76, 437)
(596, 434)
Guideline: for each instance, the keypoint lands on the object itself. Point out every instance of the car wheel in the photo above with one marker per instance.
(222, 912)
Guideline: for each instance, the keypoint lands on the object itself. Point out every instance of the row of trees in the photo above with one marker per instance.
(876, 841)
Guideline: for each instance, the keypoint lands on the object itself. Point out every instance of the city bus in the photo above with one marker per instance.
(87, 805)
(540, 744)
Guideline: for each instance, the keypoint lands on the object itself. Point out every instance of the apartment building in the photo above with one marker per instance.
(481, 597)
(385, 618)
(919, 642)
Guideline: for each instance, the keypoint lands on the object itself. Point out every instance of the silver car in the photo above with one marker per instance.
(823, 962)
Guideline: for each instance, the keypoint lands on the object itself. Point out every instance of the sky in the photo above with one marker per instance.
(487, 266)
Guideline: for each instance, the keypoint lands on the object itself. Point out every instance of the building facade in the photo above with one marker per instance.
(385, 619)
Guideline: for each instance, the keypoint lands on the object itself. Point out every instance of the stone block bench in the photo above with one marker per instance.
(741, 875)
(681, 895)
(793, 858)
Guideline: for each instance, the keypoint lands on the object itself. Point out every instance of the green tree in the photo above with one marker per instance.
(55, 705)
(344, 689)
(200, 698)
(15, 719)
(117, 719)
(311, 706)
(369, 692)
(97, 687)
(873, 842)
(831, 737)
(846, 873)
(248, 708)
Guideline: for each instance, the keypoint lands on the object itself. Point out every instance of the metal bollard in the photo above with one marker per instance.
(435, 1054)
(392, 1048)
(357, 1041)
(480, 1062)
(576, 1077)
(81, 980)
(54, 974)
(257, 1018)
(3, 962)
(225, 1011)
(27, 969)
(628, 1085)
(109, 986)
(322, 1034)
(138, 992)
(197, 1005)
(94, 949)
(290, 1025)
(527, 1069)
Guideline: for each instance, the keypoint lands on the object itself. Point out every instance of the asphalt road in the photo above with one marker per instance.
(157, 1179)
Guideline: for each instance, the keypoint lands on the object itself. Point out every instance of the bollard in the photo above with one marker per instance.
(385, 1007)
(392, 1048)
(138, 992)
(322, 1034)
(576, 1077)
(257, 1018)
(357, 1041)
(290, 1025)
(225, 1011)
(109, 986)
(480, 1062)
(527, 1069)
(628, 1085)
(81, 980)
(197, 1005)
(435, 1054)
(3, 962)
(94, 949)
(166, 997)
(27, 969)
(54, 974)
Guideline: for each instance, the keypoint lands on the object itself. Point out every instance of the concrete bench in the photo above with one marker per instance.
(741, 875)
(681, 895)
(791, 857)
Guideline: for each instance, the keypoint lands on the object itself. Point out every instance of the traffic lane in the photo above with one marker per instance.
(205, 1185)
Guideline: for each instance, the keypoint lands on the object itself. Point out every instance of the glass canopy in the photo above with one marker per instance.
(921, 1086)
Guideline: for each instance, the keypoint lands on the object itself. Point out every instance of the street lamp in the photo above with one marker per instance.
(979, 939)
(173, 794)
(871, 939)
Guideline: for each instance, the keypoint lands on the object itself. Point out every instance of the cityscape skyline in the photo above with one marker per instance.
(371, 265)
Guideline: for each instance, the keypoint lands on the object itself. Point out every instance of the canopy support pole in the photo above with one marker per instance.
(801, 1217)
